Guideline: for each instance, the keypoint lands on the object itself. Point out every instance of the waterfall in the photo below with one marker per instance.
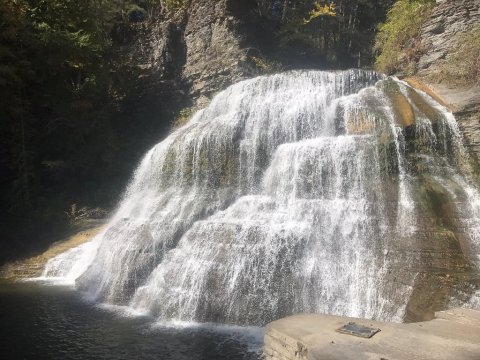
(298, 192)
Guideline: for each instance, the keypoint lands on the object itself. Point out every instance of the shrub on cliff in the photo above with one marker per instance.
(173, 5)
(398, 42)
(183, 117)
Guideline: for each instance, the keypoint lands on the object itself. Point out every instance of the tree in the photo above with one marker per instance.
(326, 32)
(59, 73)
(319, 10)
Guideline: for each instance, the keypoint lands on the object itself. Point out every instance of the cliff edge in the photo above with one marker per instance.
(440, 35)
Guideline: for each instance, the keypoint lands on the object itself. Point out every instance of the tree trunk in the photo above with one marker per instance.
(24, 166)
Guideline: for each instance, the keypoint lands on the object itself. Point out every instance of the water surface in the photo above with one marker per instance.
(47, 322)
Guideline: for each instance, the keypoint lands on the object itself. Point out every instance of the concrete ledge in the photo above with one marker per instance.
(453, 334)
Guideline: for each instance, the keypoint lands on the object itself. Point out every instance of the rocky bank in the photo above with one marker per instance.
(33, 266)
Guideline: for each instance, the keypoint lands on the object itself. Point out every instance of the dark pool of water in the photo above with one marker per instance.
(51, 322)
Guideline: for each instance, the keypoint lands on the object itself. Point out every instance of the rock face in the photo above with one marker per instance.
(465, 104)
(470, 126)
(215, 53)
(196, 51)
(448, 19)
(440, 35)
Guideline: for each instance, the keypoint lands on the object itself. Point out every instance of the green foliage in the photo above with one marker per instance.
(397, 42)
(320, 10)
(174, 5)
(265, 66)
(316, 33)
(63, 77)
(183, 117)
(463, 66)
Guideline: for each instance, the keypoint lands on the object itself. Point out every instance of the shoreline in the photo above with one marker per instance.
(33, 266)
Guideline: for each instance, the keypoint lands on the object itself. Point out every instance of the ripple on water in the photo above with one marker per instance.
(55, 323)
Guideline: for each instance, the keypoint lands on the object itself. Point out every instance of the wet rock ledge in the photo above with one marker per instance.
(453, 334)
(33, 266)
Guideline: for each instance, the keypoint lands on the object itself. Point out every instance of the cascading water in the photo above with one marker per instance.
(296, 192)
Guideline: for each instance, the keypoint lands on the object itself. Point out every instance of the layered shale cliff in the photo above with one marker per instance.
(194, 52)
(440, 37)
(448, 19)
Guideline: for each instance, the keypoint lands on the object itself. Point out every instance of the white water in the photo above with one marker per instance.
(273, 200)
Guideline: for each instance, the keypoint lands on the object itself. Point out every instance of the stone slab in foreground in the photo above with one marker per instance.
(453, 334)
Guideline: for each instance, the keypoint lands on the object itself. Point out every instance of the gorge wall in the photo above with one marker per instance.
(201, 49)
(440, 34)
(448, 19)
(182, 58)
(196, 51)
